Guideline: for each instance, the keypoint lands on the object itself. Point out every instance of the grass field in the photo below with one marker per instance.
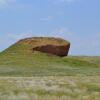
(41, 65)
(26, 75)
(50, 88)
(19, 61)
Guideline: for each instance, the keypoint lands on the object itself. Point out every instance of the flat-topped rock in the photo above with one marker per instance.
(50, 45)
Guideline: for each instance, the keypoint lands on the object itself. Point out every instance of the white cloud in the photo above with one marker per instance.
(9, 39)
(87, 44)
(62, 32)
(19, 36)
(66, 0)
(46, 18)
(6, 2)
(63, 1)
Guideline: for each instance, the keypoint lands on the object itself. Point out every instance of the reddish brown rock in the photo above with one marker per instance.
(55, 50)
(50, 45)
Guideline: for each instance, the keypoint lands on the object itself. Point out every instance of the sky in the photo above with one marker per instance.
(77, 21)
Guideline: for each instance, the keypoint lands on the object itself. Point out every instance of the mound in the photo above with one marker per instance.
(21, 60)
(55, 46)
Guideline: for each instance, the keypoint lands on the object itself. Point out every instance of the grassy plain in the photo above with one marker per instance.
(26, 75)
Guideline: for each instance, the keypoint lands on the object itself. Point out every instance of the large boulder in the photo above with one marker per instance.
(52, 49)
(50, 45)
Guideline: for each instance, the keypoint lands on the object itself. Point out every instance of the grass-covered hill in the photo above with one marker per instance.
(19, 60)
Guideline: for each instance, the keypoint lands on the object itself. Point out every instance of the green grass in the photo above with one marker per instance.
(18, 60)
(27, 75)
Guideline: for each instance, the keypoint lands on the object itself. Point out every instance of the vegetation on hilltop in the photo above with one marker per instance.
(19, 60)
(43, 76)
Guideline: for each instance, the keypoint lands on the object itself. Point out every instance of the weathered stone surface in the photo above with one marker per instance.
(50, 45)
(56, 50)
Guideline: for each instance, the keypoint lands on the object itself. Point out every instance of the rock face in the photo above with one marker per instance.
(50, 45)
(55, 50)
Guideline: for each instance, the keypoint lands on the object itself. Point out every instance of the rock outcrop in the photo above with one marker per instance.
(55, 50)
(50, 45)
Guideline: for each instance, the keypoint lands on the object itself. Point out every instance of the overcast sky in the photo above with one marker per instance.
(75, 20)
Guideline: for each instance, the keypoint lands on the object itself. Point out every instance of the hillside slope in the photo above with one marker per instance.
(18, 61)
